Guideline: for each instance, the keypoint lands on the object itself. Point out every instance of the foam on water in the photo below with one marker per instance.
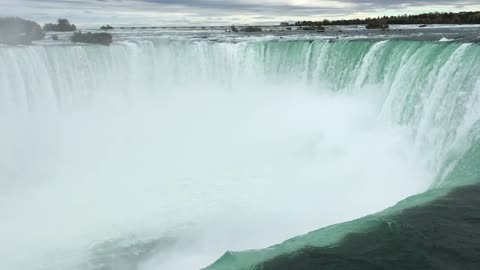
(211, 147)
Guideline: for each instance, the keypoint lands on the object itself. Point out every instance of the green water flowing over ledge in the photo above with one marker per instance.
(432, 88)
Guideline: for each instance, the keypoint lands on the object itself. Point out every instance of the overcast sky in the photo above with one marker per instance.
(218, 12)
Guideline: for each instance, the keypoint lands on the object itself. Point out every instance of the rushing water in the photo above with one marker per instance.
(163, 153)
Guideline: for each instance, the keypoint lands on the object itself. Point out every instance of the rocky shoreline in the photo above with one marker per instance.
(18, 31)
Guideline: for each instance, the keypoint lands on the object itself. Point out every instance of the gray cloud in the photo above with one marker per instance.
(310, 8)
(175, 10)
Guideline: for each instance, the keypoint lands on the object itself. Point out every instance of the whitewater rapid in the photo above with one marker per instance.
(163, 154)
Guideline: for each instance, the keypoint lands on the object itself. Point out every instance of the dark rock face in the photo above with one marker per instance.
(377, 24)
(252, 29)
(16, 31)
(107, 27)
(317, 28)
(93, 38)
(63, 25)
(442, 235)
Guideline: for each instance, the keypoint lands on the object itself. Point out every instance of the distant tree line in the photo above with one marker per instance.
(62, 25)
(93, 38)
(426, 18)
(106, 27)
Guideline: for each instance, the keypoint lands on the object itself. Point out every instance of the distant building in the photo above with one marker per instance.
(284, 24)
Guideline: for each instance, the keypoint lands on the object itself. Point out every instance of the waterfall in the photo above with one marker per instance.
(165, 153)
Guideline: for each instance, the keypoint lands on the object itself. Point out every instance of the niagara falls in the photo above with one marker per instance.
(215, 135)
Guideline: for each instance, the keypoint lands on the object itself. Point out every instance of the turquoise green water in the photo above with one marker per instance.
(431, 87)
(429, 90)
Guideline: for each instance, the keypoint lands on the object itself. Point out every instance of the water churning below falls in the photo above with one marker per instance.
(165, 153)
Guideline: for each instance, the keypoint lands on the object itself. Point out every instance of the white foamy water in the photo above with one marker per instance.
(201, 148)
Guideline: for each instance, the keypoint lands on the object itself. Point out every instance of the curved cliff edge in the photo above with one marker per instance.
(17, 31)
(435, 230)
(443, 233)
